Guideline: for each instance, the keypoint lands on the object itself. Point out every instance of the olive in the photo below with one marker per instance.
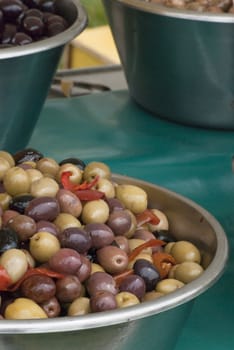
(16, 181)
(143, 234)
(15, 263)
(66, 261)
(122, 243)
(148, 272)
(105, 186)
(23, 308)
(163, 223)
(80, 306)
(33, 175)
(114, 204)
(76, 238)
(5, 200)
(51, 307)
(4, 166)
(133, 197)
(7, 215)
(7, 156)
(168, 285)
(19, 203)
(103, 301)
(48, 167)
(136, 242)
(23, 225)
(8, 239)
(43, 245)
(185, 251)
(96, 268)
(94, 169)
(133, 284)
(126, 299)
(76, 161)
(95, 211)
(43, 187)
(141, 255)
(44, 225)
(47, 5)
(164, 235)
(101, 281)
(113, 259)
(119, 221)
(76, 173)
(84, 270)
(187, 271)
(69, 203)
(11, 9)
(38, 288)
(64, 221)
(152, 295)
(68, 289)
(43, 208)
(28, 154)
(101, 234)
(21, 38)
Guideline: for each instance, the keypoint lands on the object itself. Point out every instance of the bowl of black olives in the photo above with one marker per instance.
(33, 34)
(94, 260)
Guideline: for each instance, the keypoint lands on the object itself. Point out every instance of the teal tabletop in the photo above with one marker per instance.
(194, 162)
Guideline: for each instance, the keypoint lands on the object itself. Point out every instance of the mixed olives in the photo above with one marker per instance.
(73, 241)
(211, 6)
(25, 21)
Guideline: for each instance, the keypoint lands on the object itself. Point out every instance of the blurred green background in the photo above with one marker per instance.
(96, 12)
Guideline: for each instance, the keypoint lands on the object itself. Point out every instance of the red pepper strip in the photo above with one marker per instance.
(147, 216)
(68, 185)
(149, 243)
(5, 280)
(163, 263)
(119, 278)
(35, 271)
(89, 195)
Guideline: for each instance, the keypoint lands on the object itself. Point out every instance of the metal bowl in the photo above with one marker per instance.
(178, 64)
(150, 324)
(26, 73)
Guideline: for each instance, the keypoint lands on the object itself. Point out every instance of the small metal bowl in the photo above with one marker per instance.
(150, 324)
(178, 64)
(26, 73)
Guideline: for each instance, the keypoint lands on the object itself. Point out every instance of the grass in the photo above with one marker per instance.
(96, 12)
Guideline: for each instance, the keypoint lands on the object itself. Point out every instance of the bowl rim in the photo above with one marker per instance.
(58, 40)
(162, 10)
(96, 320)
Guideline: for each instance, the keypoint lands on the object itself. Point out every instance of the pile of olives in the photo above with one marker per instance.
(212, 6)
(73, 241)
(25, 21)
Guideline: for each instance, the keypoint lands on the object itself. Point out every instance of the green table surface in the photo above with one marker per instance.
(194, 162)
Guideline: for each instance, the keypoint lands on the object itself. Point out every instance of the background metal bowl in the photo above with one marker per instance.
(26, 73)
(156, 324)
(178, 64)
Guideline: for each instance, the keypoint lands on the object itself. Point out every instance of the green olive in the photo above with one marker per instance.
(23, 309)
(126, 299)
(188, 271)
(34, 175)
(44, 187)
(80, 306)
(185, 251)
(48, 166)
(65, 220)
(5, 200)
(168, 285)
(15, 263)
(16, 181)
(152, 295)
(168, 246)
(145, 256)
(96, 211)
(76, 176)
(106, 186)
(43, 245)
(133, 197)
(4, 166)
(162, 225)
(96, 268)
(94, 169)
(8, 157)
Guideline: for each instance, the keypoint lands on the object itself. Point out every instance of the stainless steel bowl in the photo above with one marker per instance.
(178, 64)
(26, 73)
(149, 325)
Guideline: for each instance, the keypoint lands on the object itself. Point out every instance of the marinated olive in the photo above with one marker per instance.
(44, 187)
(43, 245)
(28, 154)
(48, 167)
(126, 299)
(185, 251)
(101, 281)
(101, 234)
(133, 284)
(95, 211)
(187, 271)
(19, 203)
(64, 220)
(119, 221)
(15, 263)
(8, 239)
(80, 306)
(23, 225)
(168, 285)
(66, 261)
(4, 166)
(16, 181)
(76, 238)
(43, 208)
(7, 156)
(133, 197)
(51, 307)
(68, 289)
(94, 169)
(38, 288)
(148, 272)
(69, 203)
(24, 308)
(76, 161)
(113, 259)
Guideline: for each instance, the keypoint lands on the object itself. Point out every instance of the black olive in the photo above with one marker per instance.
(164, 235)
(8, 239)
(146, 270)
(20, 203)
(76, 161)
(27, 155)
